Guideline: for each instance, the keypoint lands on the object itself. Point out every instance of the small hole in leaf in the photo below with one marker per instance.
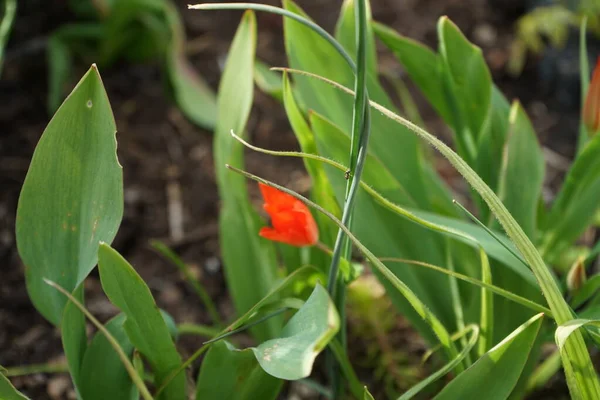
(89, 104)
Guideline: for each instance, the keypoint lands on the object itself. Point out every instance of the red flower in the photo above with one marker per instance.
(292, 221)
(591, 107)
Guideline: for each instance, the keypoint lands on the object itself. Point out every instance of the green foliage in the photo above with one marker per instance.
(138, 31)
(291, 356)
(8, 391)
(229, 373)
(250, 261)
(6, 20)
(496, 372)
(144, 325)
(72, 197)
(438, 269)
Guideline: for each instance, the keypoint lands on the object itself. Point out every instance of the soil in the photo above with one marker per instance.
(149, 123)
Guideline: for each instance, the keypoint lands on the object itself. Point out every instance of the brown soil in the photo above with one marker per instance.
(149, 124)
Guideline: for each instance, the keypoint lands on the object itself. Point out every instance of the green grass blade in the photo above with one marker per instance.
(8, 17)
(584, 74)
(587, 385)
(469, 345)
(145, 326)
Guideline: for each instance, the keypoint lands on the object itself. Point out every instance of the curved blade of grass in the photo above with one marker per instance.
(170, 255)
(474, 330)
(437, 327)
(580, 365)
(285, 13)
(137, 380)
(10, 10)
(484, 285)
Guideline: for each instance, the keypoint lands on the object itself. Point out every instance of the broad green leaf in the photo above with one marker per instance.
(250, 261)
(345, 33)
(577, 202)
(490, 146)
(422, 64)
(192, 94)
(471, 82)
(6, 22)
(102, 374)
(268, 81)
(291, 356)
(144, 325)
(522, 174)
(228, 373)
(8, 391)
(496, 373)
(72, 197)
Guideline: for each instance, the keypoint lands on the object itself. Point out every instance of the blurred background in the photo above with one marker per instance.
(161, 65)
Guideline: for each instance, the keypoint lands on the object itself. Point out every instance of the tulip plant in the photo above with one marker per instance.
(486, 288)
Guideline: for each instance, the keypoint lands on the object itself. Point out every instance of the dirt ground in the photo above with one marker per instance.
(148, 123)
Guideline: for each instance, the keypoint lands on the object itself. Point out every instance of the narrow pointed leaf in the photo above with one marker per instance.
(8, 391)
(144, 325)
(496, 373)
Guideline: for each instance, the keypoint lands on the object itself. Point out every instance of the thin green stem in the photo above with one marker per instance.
(285, 13)
(490, 232)
(198, 330)
(248, 326)
(189, 277)
(492, 288)
(135, 378)
(47, 368)
(356, 388)
(206, 345)
(10, 10)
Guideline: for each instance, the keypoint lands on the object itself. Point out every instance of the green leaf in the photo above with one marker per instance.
(250, 261)
(522, 174)
(72, 197)
(6, 22)
(308, 51)
(74, 337)
(268, 81)
(102, 374)
(345, 33)
(496, 373)
(584, 75)
(228, 373)
(193, 95)
(576, 203)
(422, 64)
(306, 334)
(471, 82)
(589, 289)
(8, 391)
(144, 325)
